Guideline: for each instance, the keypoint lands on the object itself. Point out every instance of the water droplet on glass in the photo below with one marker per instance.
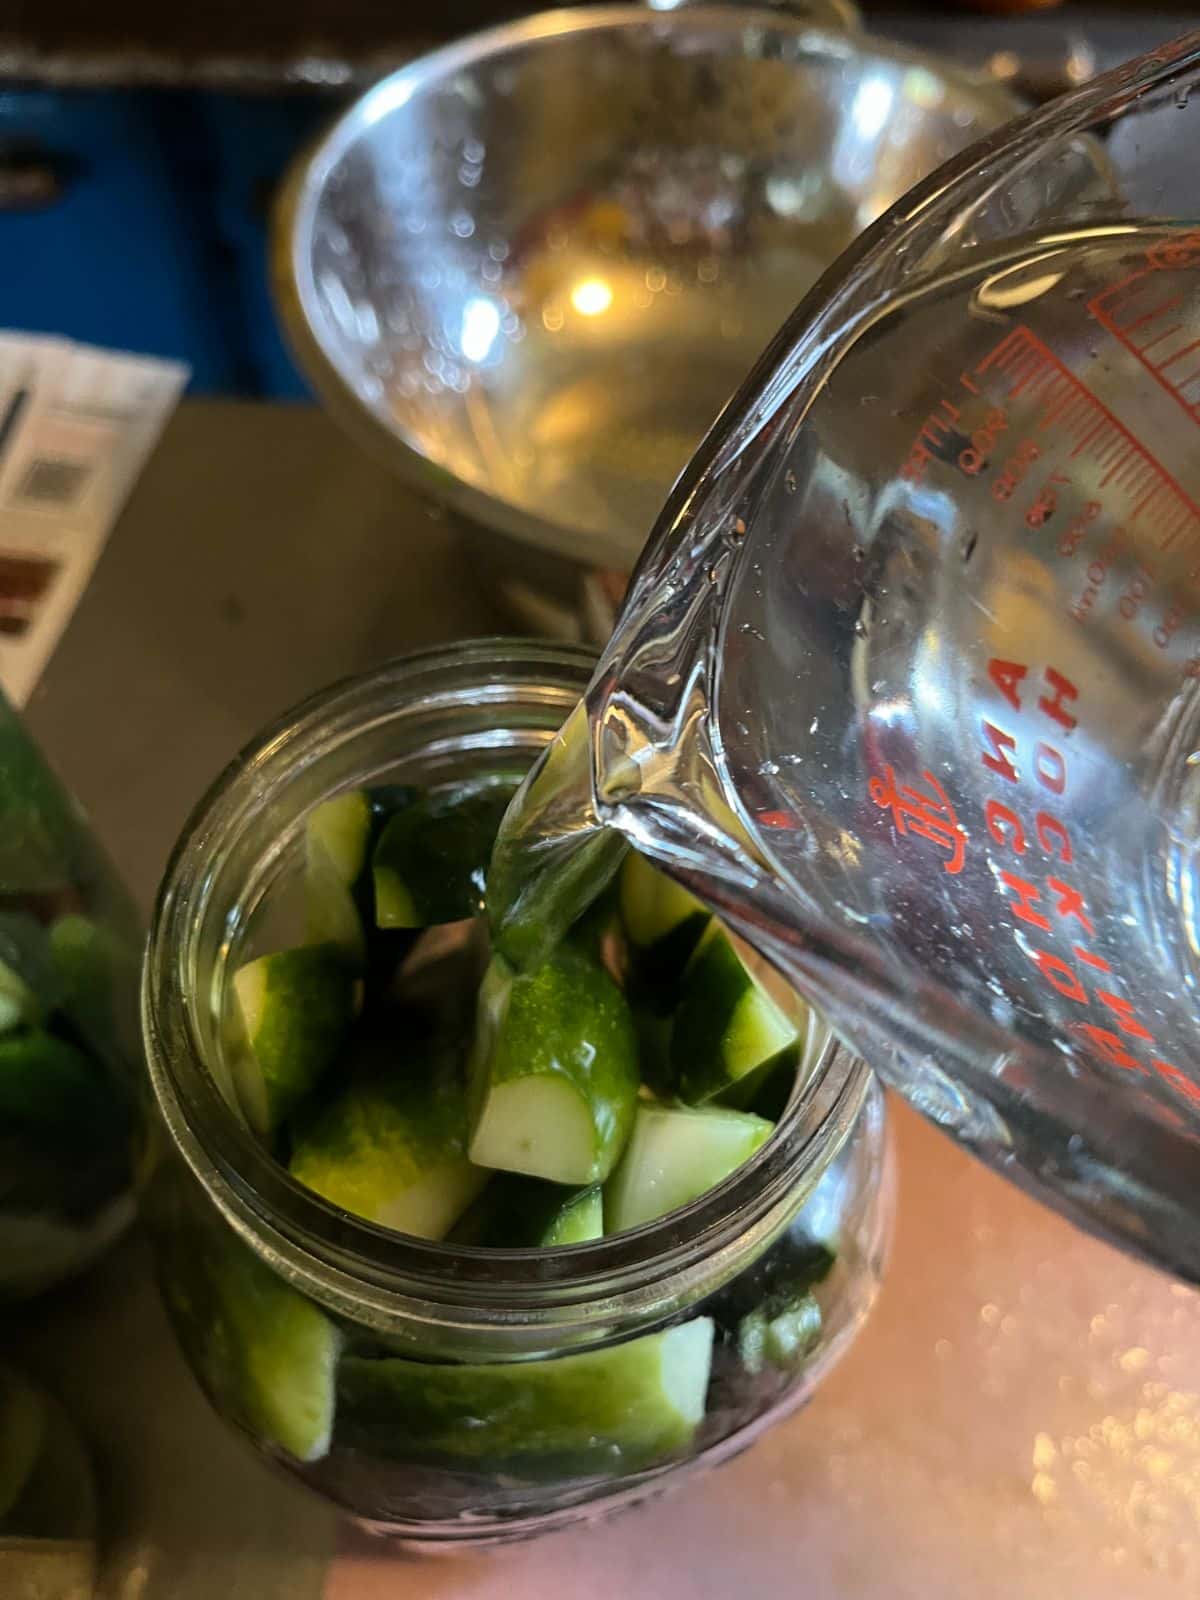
(789, 482)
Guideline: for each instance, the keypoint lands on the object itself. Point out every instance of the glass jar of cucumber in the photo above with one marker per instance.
(477, 1252)
(70, 951)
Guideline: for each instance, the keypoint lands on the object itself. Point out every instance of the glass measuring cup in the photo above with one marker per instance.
(906, 683)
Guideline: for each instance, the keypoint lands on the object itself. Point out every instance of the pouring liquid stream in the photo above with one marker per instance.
(906, 687)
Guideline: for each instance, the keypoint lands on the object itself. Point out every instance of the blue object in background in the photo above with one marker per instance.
(253, 141)
(137, 220)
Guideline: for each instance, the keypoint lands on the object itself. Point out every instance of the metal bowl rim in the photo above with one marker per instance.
(294, 212)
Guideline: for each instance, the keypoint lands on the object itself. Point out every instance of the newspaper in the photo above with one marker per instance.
(76, 426)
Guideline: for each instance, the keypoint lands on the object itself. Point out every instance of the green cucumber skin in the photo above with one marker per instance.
(532, 905)
(267, 1356)
(519, 1213)
(579, 1221)
(97, 983)
(767, 1089)
(52, 1092)
(44, 846)
(791, 1268)
(567, 1021)
(393, 1130)
(663, 923)
(430, 861)
(294, 1045)
(779, 1335)
(704, 1036)
(593, 1413)
(347, 871)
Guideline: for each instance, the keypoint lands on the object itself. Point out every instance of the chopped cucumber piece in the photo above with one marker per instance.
(339, 840)
(779, 1336)
(771, 1309)
(392, 1149)
(580, 1220)
(515, 1213)
(295, 1008)
(50, 1089)
(22, 1429)
(674, 1155)
(340, 829)
(726, 1025)
(336, 841)
(601, 1411)
(267, 1354)
(554, 1071)
(664, 924)
(431, 858)
(534, 897)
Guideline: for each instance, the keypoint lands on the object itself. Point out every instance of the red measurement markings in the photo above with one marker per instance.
(1021, 366)
(1031, 758)
(1148, 313)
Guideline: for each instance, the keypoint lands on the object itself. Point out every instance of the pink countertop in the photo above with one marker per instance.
(1021, 1417)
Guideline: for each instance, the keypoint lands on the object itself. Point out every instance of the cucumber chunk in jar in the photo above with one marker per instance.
(498, 1230)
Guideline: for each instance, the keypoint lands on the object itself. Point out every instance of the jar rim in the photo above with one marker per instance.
(344, 1259)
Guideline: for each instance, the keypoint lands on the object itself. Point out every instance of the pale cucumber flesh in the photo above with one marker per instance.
(294, 1008)
(675, 1155)
(539, 1126)
(331, 912)
(341, 828)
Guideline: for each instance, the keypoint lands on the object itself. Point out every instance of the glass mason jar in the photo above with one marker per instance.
(443, 1394)
(70, 952)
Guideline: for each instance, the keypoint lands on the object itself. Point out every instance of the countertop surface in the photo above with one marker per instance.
(1021, 1416)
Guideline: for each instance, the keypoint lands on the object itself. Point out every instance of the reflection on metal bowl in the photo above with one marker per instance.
(536, 264)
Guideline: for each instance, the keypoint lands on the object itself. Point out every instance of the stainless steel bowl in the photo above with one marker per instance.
(534, 265)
